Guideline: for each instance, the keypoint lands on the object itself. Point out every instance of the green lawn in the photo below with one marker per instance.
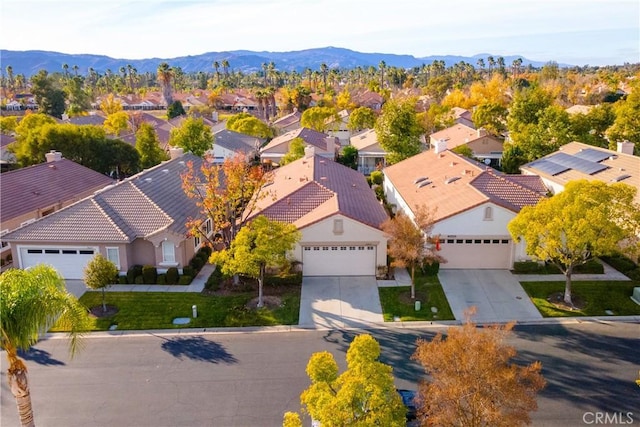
(598, 295)
(156, 310)
(396, 301)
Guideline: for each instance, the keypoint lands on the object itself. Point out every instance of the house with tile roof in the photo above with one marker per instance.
(335, 210)
(337, 126)
(575, 160)
(6, 156)
(463, 117)
(228, 143)
(482, 144)
(473, 204)
(288, 122)
(371, 156)
(34, 192)
(324, 145)
(138, 221)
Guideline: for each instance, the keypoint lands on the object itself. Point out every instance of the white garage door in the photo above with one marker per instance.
(476, 253)
(69, 261)
(358, 260)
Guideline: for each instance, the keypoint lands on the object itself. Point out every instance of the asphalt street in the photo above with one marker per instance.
(251, 379)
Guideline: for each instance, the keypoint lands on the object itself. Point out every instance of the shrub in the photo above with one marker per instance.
(379, 192)
(122, 280)
(172, 276)
(283, 279)
(185, 280)
(368, 178)
(206, 250)
(139, 280)
(149, 275)
(133, 272)
(188, 271)
(591, 267)
(377, 177)
(162, 279)
(430, 269)
(620, 263)
(527, 267)
(196, 263)
(214, 280)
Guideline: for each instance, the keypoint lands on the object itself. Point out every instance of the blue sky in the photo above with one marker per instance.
(595, 32)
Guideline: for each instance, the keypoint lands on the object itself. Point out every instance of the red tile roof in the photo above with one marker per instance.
(40, 186)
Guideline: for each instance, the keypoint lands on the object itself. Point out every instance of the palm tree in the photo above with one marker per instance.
(225, 68)
(31, 302)
(165, 77)
(75, 70)
(265, 67)
(216, 67)
(324, 70)
(515, 67)
(382, 66)
(10, 77)
(491, 62)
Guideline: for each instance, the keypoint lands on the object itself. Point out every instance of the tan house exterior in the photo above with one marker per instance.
(482, 144)
(138, 221)
(473, 205)
(323, 145)
(336, 212)
(31, 193)
(371, 156)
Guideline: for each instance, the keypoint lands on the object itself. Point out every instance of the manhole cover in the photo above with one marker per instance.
(181, 320)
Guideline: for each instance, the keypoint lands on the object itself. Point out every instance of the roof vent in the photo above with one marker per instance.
(147, 179)
(620, 178)
(467, 172)
(452, 164)
(424, 184)
(452, 179)
(165, 170)
(419, 180)
(323, 178)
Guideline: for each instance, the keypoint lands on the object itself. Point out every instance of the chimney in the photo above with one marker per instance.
(625, 147)
(309, 151)
(440, 146)
(482, 132)
(53, 156)
(176, 152)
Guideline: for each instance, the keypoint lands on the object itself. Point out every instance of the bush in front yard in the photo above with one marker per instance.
(430, 269)
(139, 280)
(527, 267)
(149, 275)
(188, 271)
(214, 280)
(172, 276)
(185, 280)
(133, 272)
(162, 279)
(591, 267)
(196, 262)
(122, 280)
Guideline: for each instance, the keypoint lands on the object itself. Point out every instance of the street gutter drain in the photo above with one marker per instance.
(181, 320)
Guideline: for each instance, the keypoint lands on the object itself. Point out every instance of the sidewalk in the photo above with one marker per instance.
(77, 287)
(610, 274)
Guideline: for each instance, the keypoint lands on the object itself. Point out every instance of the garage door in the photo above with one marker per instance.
(357, 260)
(476, 253)
(70, 262)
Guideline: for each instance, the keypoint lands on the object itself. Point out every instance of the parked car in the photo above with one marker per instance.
(408, 399)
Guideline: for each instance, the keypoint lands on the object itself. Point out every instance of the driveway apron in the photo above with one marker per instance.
(339, 302)
(496, 294)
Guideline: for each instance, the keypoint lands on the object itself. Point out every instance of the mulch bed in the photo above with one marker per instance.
(405, 297)
(272, 295)
(99, 313)
(557, 299)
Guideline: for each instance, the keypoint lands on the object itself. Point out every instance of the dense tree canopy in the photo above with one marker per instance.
(99, 274)
(587, 219)
(363, 395)
(398, 130)
(361, 118)
(260, 244)
(48, 94)
(472, 381)
(148, 146)
(296, 151)
(193, 135)
(316, 118)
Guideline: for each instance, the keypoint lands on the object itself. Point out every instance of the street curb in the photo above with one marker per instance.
(367, 326)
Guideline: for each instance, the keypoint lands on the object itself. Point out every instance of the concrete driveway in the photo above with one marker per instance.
(339, 302)
(497, 295)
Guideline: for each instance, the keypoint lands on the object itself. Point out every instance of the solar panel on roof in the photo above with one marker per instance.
(592, 155)
(549, 167)
(621, 178)
(573, 162)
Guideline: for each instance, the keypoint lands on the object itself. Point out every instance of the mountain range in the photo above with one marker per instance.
(31, 61)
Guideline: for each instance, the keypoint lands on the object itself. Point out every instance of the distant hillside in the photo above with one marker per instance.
(31, 61)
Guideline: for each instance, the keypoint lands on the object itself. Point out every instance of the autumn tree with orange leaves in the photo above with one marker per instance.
(225, 193)
(472, 381)
(408, 241)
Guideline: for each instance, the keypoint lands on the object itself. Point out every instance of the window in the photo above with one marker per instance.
(52, 251)
(307, 248)
(207, 226)
(325, 248)
(468, 241)
(196, 241)
(86, 252)
(477, 241)
(450, 241)
(488, 213)
(338, 226)
(458, 240)
(495, 241)
(168, 251)
(2, 233)
(34, 251)
(113, 255)
(352, 248)
(486, 241)
(70, 252)
(343, 248)
(504, 242)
